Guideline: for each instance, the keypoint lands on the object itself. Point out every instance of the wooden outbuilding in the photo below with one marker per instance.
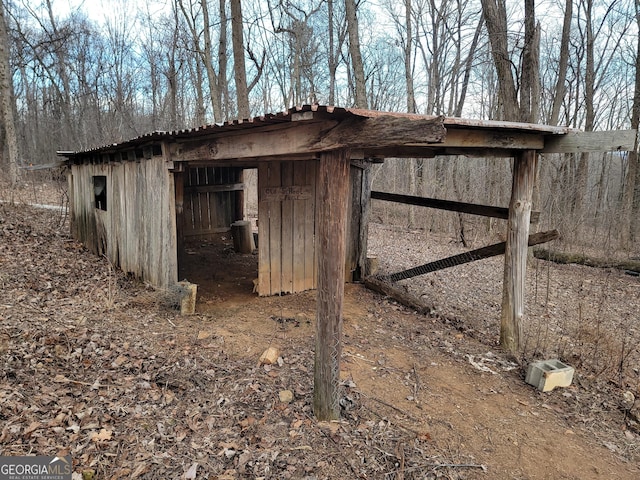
(136, 201)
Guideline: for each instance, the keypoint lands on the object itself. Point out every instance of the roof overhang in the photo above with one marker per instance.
(306, 131)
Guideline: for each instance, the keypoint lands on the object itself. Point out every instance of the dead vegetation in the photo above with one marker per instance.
(99, 366)
(587, 317)
(102, 367)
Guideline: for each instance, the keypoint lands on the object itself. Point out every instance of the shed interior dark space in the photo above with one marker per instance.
(222, 275)
(213, 199)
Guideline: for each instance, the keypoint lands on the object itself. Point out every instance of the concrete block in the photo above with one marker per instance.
(549, 374)
(188, 293)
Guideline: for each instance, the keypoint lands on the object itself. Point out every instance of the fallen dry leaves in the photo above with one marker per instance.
(92, 364)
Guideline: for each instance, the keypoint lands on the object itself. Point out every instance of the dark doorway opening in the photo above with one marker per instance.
(213, 199)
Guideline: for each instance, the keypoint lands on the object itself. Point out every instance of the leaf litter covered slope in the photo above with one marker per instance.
(102, 367)
(589, 317)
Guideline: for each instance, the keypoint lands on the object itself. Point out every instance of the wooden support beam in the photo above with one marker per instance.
(580, 142)
(470, 208)
(178, 180)
(515, 258)
(333, 191)
(466, 257)
(468, 138)
(295, 139)
(384, 131)
(214, 188)
(398, 294)
(239, 193)
(358, 221)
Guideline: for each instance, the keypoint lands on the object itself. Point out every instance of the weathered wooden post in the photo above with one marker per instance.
(358, 220)
(515, 256)
(242, 236)
(333, 190)
(178, 179)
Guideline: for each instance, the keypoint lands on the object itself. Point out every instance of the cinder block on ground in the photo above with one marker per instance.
(188, 293)
(549, 374)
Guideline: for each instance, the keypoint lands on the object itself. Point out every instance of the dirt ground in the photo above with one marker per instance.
(104, 367)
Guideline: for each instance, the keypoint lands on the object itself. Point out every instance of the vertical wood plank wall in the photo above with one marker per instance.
(137, 232)
(286, 229)
(211, 197)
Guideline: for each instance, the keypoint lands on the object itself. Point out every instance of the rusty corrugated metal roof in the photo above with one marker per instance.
(286, 116)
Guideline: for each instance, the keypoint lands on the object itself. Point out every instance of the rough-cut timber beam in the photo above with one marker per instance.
(492, 139)
(578, 142)
(466, 257)
(383, 131)
(229, 187)
(297, 138)
(397, 293)
(515, 257)
(470, 208)
(332, 195)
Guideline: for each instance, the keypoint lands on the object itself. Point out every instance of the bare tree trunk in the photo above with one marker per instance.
(198, 84)
(562, 65)
(221, 81)
(332, 61)
(242, 93)
(414, 179)
(434, 67)
(530, 81)
(467, 68)
(172, 74)
(496, 19)
(559, 93)
(408, 62)
(207, 57)
(360, 88)
(61, 70)
(6, 99)
(630, 200)
(589, 85)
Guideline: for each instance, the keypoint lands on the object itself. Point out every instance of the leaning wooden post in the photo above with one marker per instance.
(333, 190)
(515, 255)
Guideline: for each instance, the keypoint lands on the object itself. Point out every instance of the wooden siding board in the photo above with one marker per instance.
(209, 199)
(142, 213)
(171, 243)
(137, 231)
(287, 258)
(275, 230)
(311, 251)
(155, 186)
(117, 207)
(299, 215)
(288, 224)
(264, 242)
(131, 220)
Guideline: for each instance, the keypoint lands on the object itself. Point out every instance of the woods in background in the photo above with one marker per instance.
(70, 81)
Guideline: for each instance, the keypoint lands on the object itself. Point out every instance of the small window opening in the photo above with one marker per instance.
(100, 191)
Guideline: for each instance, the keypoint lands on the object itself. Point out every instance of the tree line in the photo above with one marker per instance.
(73, 80)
